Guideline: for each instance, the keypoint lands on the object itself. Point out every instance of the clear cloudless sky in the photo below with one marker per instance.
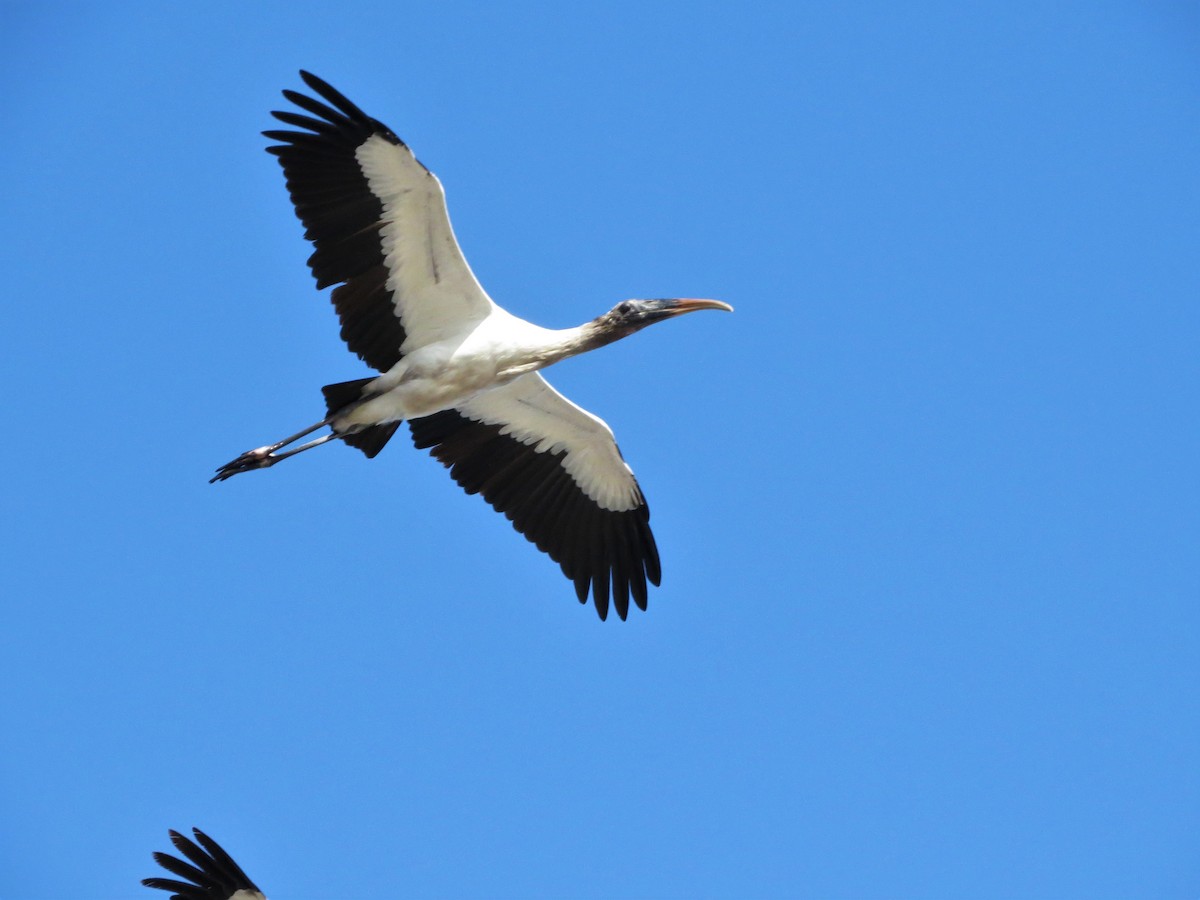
(927, 502)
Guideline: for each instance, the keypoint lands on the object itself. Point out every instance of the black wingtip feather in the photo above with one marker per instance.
(583, 584)
(332, 95)
(315, 125)
(285, 137)
(316, 107)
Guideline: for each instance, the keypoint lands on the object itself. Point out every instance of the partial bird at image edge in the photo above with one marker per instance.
(210, 873)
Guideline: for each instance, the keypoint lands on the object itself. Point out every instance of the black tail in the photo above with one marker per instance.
(370, 440)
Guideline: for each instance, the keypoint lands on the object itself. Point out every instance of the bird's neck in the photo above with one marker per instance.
(554, 345)
(588, 336)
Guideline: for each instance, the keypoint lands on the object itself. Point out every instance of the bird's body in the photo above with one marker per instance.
(450, 372)
(462, 371)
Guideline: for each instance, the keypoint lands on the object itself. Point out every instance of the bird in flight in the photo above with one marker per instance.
(210, 872)
(460, 370)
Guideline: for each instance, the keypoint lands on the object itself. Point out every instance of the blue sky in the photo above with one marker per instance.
(927, 502)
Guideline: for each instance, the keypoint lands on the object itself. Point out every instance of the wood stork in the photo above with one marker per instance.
(459, 369)
(211, 874)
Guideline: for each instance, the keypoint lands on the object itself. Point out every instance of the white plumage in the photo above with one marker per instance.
(434, 290)
(462, 372)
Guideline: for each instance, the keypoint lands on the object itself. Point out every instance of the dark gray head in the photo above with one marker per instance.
(633, 315)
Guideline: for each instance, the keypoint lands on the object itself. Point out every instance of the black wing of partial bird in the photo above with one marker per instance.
(211, 873)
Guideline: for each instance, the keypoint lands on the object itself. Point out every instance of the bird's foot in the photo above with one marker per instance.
(261, 458)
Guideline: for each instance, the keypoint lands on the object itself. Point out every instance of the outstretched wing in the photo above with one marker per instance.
(212, 874)
(555, 471)
(378, 222)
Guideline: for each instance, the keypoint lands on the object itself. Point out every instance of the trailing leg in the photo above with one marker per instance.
(265, 457)
(340, 399)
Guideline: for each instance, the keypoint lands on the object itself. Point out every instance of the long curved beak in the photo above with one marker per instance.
(683, 305)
